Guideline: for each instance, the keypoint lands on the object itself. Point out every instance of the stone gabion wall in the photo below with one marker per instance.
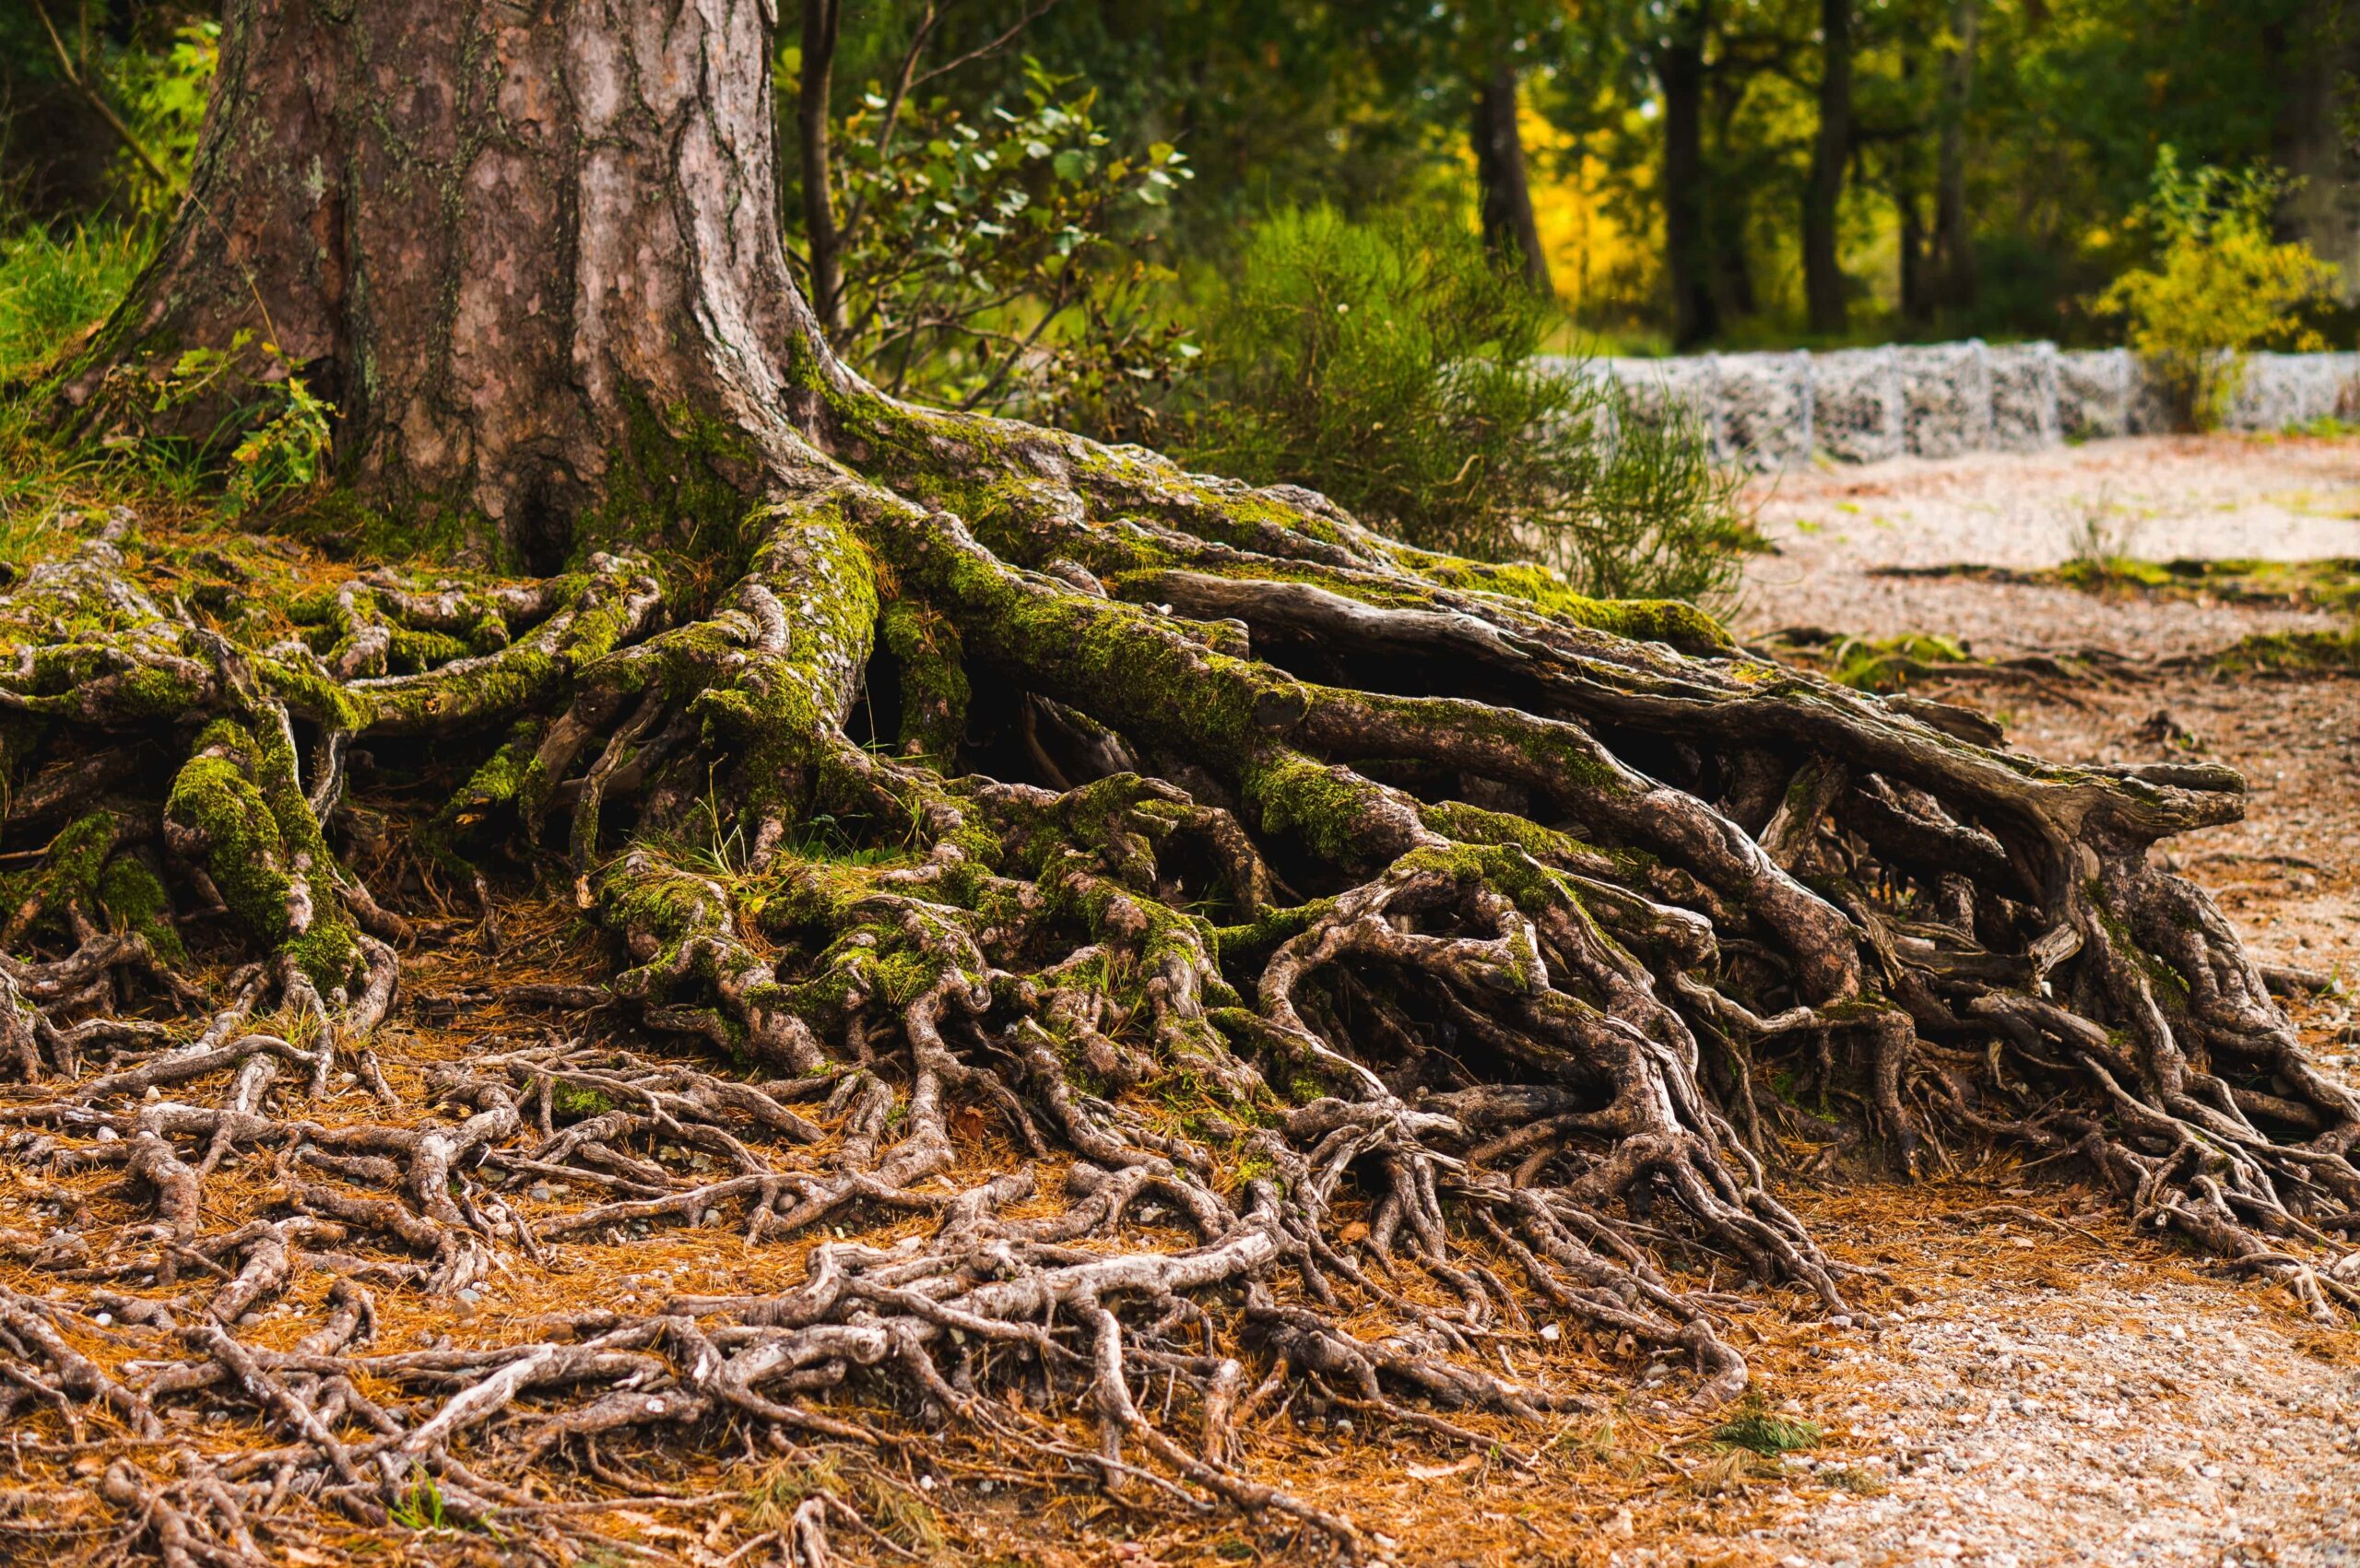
(1940, 399)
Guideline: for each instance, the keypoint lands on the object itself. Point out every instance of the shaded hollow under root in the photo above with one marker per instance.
(1330, 933)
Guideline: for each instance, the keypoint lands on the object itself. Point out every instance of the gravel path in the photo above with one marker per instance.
(2055, 1402)
(2215, 497)
(2026, 1396)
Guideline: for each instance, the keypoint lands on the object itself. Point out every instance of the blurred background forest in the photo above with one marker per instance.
(1256, 233)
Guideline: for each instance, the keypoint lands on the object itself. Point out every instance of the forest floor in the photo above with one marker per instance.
(2022, 1380)
(2030, 1381)
(2037, 1397)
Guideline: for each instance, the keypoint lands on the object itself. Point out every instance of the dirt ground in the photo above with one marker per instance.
(2287, 498)
(2021, 1380)
(2044, 1399)
(2028, 1380)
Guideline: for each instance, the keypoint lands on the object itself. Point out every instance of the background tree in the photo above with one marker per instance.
(2318, 139)
(1823, 281)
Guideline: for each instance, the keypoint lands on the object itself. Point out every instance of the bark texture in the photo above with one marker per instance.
(1823, 282)
(1231, 950)
(492, 235)
(1687, 233)
(1510, 228)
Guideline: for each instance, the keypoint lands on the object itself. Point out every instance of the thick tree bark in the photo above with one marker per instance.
(1823, 281)
(1510, 230)
(1954, 224)
(1688, 245)
(1206, 930)
(2319, 63)
(495, 240)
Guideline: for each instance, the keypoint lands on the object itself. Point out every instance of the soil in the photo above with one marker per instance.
(2276, 498)
(2043, 1398)
(2021, 1379)
(2026, 1380)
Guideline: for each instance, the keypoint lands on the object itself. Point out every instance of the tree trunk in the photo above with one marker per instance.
(1680, 72)
(1915, 283)
(1510, 231)
(1953, 226)
(822, 20)
(507, 251)
(1200, 928)
(2320, 63)
(1823, 281)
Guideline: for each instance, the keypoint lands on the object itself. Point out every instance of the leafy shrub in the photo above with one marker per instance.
(287, 430)
(1395, 371)
(2221, 284)
(1002, 261)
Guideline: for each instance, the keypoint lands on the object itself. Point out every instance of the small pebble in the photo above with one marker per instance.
(107, 1135)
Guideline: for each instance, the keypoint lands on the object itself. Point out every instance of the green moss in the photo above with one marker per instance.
(1682, 626)
(576, 1100)
(2291, 652)
(238, 800)
(135, 898)
(933, 679)
(1322, 806)
(677, 483)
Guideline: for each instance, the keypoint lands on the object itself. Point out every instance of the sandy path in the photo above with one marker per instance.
(2287, 499)
(2044, 1398)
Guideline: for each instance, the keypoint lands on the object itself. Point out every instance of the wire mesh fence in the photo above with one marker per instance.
(1937, 400)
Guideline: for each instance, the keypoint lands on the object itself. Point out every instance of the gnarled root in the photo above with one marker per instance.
(1188, 925)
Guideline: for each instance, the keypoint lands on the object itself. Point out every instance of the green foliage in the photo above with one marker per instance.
(999, 259)
(577, 1101)
(2221, 284)
(54, 286)
(1755, 1428)
(1397, 375)
(162, 91)
(286, 427)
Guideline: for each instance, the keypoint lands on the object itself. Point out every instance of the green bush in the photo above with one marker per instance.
(1392, 368)
(2221, 285)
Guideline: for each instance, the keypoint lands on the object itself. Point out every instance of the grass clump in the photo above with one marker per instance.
(897, 1512)
(1758, 1430)
(54, 286)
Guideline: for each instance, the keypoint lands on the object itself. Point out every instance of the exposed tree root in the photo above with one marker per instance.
(1238, 867)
